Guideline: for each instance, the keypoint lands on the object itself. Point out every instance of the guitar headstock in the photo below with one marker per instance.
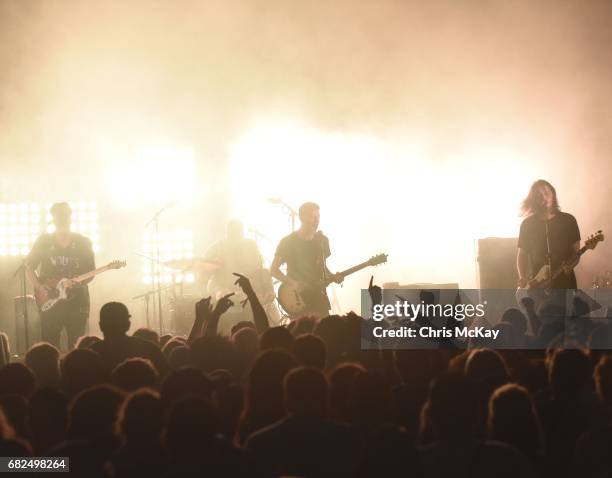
(593, 240)
(378, 259)
(116, 264)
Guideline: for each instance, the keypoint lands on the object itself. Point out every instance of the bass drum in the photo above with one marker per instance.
(182, 314)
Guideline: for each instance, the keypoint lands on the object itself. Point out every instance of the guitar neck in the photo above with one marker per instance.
(559, 270)
(90, 274)
(352, 270)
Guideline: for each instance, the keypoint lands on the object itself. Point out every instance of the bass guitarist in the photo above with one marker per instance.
(548, 237)
(305, 252)
(62, 254)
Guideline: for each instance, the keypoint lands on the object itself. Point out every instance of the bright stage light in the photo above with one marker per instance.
(172, 246)
(19, 227)
(155, 175)
(401, 196)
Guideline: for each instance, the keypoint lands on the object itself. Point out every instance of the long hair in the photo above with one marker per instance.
(532, 204)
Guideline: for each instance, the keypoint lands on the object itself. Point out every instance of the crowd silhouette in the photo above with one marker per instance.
(306, 401)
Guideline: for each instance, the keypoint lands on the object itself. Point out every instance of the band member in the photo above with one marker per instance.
(547, 237)
(234, 253)
(62, 254)
(305, 252)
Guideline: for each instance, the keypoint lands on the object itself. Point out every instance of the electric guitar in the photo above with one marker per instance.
(293, 298)
(545, 277)
(55, 290)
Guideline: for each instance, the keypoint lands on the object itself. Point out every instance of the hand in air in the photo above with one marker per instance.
(375, 292)
(223, 304)
(203, 309)
(244, 283)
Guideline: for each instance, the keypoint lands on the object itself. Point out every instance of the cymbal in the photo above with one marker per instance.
(193, 264)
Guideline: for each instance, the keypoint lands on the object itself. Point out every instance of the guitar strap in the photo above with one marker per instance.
(548, 253)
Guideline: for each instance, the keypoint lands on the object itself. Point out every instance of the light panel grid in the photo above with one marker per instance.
(20, 225)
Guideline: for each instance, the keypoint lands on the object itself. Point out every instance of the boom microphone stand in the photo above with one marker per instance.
(155, 221)
(21, 270)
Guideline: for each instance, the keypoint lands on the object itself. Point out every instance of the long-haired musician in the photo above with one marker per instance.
(547, 236)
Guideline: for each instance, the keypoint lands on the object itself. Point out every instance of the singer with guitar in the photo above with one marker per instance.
(305, 252)
(548, 239)
(62, 255)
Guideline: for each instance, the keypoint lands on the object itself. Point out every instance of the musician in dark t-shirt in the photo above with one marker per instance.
(545, 229)
(62, 254)
(305, 252)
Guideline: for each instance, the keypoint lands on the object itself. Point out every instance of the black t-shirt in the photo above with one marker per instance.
(56, 262)
(305, 258)
(563, 233)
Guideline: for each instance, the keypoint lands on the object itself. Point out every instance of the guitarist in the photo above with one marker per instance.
(62, 254)
(547, 236)
(305, 252)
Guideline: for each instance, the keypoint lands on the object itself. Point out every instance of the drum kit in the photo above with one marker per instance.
(181, 298)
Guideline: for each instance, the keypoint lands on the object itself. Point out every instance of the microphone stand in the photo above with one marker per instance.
(24, 290)
(155, 221)
(288, 209)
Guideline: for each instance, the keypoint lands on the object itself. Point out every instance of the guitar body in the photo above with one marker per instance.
(53, 291)
(295, 299)
(291, 300)
(56, 290)
(541, 279)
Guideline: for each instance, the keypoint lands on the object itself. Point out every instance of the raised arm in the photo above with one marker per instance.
(260, 318)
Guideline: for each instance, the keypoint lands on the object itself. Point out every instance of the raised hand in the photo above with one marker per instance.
(223, 304)
(375, 292)
(203, 309)
(244, 283)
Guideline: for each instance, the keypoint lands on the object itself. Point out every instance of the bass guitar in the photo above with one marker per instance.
(56, 290)
(293, 296)
(544, 279)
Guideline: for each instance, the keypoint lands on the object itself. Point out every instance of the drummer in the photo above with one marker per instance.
(234, 253)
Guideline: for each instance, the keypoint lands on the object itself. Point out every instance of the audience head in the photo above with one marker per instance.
(93, 412)
(147, 334)
(18, 379)
(512, 419)
(341, 381)
(264, 393)
(141, 417)
(276, 338)
(486, 364)
(568, 372)
(184, 382)
(81, 369)
(306, 392)
(603, 380)
(516, 319)
(86, 341)
(309, 350)
(179, 357)
(43, 360)
(190, 428)
(114, 320)
(135, 373)
(211, 353)
(370, 397)
(452, 408)
(47, 418)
